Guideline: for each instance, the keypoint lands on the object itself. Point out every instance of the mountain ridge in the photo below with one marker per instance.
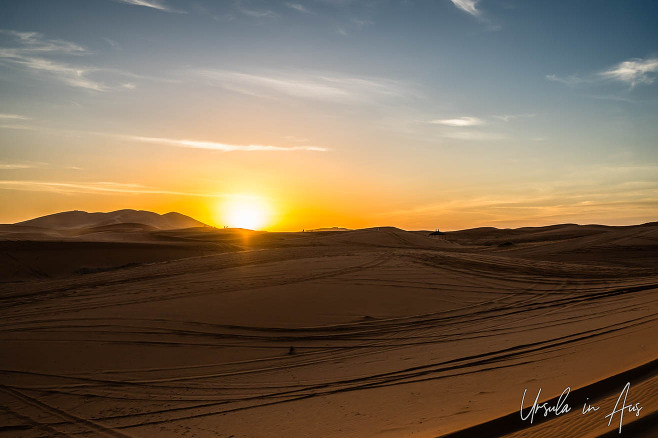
(73, 219)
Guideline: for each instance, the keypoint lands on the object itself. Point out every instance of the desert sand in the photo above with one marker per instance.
(130, 329)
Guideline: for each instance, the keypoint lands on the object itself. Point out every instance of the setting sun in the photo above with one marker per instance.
(248, 212)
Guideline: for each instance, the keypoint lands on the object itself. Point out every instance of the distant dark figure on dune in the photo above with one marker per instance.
(438, 234)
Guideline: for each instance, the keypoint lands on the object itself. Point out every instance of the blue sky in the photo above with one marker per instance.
(450, 113)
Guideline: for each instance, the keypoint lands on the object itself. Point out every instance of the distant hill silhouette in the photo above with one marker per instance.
(82, 219)
(329, 229)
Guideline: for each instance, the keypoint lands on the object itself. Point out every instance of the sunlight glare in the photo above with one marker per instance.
(248, 212)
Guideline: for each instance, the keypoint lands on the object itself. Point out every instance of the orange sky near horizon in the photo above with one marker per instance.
(419, 115)
(306, 189)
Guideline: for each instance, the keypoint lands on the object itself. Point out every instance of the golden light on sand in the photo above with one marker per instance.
(248, 212)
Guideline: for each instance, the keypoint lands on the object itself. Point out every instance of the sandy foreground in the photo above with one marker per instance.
(129, 332)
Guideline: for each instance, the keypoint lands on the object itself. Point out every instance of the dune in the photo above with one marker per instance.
(489, 236)
(328, 229)
(624, 246)
(375, 332)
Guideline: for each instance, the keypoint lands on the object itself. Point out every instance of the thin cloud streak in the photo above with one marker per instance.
(224, 147)
(35, 43)
(508, 117)
(73, 76)
(570, 81)
(183, 143)
(633, 72)
(16, 166)
(298, 7)
(13, 117)
(459, 122)
(610, 97)
(102, 187)
(320, 86)
(468, 6)
(543, 203)
(255, 13)
(20, 127)
(32, 53)
(153, 4)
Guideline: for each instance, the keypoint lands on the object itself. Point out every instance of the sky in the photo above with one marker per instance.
(422, 114)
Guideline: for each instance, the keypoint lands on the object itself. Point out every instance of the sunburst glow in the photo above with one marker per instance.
(245, 212)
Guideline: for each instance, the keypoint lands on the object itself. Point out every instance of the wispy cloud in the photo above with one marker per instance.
(456, 129)
(254, 12)
(154, 4)
(224, 147)
(468, 6)
(112, 43)
(258, 84)
(29, 52)
(319, 86)
(25, 165)
(35, 43)
(103, 187)
(19, 127)
(508, 117)
(353, 25)
(298, 7)
(633, 72)
(70, 75)
(192, 144)
(589, 195)
(610, 97)
(360, 24)
(13, 117)
(570, 80)
(460, 122)
(33, 52)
